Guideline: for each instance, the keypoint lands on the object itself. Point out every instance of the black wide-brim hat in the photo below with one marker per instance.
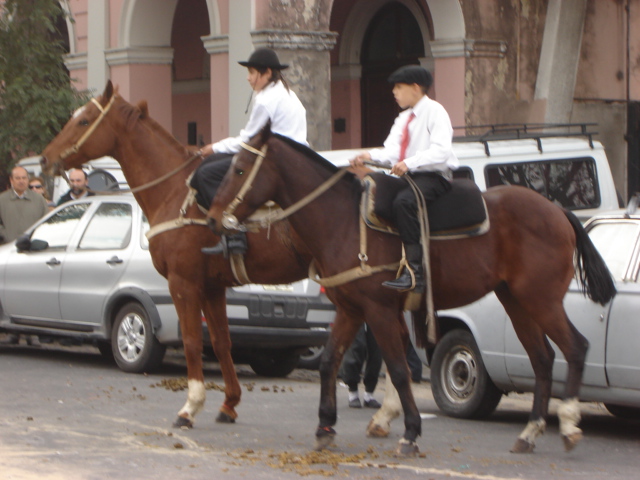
(411, 74)
(264, 58)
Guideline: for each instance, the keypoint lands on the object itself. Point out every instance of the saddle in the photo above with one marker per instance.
(459, 213)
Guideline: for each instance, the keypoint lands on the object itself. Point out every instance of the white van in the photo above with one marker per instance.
(570, 169)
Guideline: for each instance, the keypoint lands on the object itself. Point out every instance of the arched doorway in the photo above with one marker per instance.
(393, 38)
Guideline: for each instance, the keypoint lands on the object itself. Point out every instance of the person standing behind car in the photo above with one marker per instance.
(79, 186)
(19, 207)
(37, 185)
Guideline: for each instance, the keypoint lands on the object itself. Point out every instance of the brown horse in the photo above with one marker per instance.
(197, 282)
(527, 258)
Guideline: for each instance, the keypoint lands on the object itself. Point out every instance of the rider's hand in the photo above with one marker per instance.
(360, 159)
(400, 169)
(206, 150)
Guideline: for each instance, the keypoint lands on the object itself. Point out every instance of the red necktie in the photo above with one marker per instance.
(404, 140)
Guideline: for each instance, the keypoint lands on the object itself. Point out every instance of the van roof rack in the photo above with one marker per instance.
(518, 131)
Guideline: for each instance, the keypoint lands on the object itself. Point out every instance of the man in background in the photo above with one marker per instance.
(79, 183)
(20, 207)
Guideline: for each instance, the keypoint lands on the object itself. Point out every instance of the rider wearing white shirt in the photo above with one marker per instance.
(418, 145)
(274, 102)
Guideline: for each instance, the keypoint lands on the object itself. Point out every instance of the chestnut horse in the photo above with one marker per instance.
(526, 258)
(197, 282)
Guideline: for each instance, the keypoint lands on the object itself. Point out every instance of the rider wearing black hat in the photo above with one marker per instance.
(419, 145)
(274, 102)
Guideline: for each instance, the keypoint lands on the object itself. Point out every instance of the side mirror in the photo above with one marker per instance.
(25, 244)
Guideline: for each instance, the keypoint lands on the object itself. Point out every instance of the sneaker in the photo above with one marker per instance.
(373, 403)
(355, 403)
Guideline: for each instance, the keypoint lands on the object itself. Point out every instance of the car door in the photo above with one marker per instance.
(619, 244)
(32, 278)
(95, 264)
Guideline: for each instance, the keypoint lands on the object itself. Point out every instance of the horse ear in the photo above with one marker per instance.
(108, 91)
(266, 132)
(144, 108)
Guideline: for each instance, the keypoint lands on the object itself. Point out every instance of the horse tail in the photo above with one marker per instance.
(593, 274)
(420, 326)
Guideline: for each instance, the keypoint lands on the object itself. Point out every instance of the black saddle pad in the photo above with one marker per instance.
(460, 208)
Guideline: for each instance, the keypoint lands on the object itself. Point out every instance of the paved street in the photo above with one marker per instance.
(69, 414)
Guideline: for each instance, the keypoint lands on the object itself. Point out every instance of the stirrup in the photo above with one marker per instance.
(218, 248)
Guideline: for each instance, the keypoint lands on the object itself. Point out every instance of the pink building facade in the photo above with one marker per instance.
(493, 61)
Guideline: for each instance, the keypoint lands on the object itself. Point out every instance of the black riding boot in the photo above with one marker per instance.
(229, 244)
(412, 277)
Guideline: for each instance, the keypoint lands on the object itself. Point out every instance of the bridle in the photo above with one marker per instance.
(229, 220)
(75, 148)
(103, 112)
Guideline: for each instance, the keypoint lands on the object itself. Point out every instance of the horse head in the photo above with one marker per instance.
(248, 184)
(84, 137)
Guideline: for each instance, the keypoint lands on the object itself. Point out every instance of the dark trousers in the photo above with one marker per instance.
(363, 349)
(208, 177)
(403, 209)
(415, 364)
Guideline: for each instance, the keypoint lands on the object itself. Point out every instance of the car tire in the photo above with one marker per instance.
(459, 381)
(274, 363)
(310, 358)
(622, 411)
(135, 347)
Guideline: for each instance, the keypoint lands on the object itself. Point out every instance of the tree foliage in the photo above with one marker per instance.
(36, 94)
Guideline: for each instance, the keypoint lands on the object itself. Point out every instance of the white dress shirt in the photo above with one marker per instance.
(430, 135)
(274, 102)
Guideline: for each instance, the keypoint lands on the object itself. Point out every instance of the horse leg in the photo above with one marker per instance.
(343, 332)
(188, 308)
(380, 424)
(541, 356)
(389, 336)
(215, 312)
(573, 346)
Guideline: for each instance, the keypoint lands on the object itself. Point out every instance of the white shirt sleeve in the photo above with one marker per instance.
(258, 119)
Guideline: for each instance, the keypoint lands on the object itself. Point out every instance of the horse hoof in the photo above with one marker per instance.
(182, 422)
(224, 417)
(522, 446)
(570, 441)
(407, 448)
(324, 437)
(376, 431)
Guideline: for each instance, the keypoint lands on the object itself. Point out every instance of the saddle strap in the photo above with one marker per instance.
(426, 260)
(364, 270)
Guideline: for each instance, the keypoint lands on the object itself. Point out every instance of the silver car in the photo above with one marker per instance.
(84, 272)
(479, 357)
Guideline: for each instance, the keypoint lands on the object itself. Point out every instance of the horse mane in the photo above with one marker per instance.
(307, 152)
(350, 177)
(140, 112)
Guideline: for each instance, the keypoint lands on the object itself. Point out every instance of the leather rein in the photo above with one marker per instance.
(230, 222)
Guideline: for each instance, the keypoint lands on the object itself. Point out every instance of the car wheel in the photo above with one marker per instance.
(310, 358)
(622, 411)
(274, 363)
(135, 347)
(460, 384)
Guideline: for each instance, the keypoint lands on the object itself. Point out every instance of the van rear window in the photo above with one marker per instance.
(571, 183)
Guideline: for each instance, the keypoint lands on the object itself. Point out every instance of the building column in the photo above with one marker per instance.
(559, 58)
(144, 73)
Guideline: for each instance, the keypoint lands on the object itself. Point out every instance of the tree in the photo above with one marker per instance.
(36, 94)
